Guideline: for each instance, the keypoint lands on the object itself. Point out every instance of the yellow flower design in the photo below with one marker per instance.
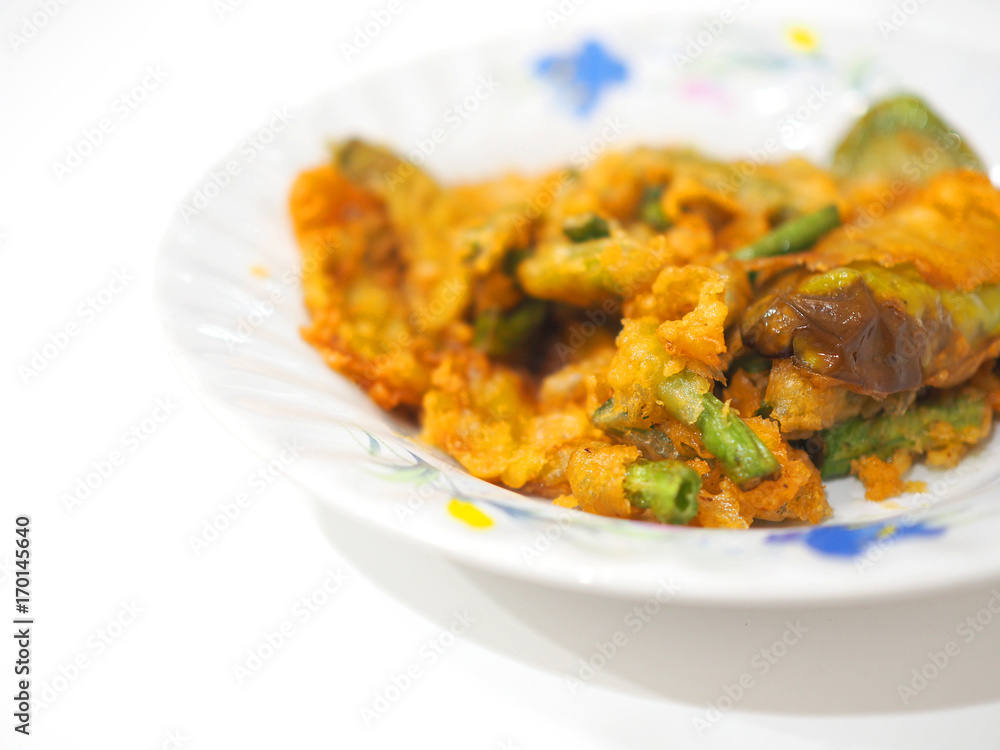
(803, 39)
(470, 514)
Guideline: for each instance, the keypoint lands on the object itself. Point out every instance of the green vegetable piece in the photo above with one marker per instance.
(366, 163)
(688, 398)
(669, 488)
(883, 435)
(653, 442)
(793, 236)
(512, 259)
(681, 395)
(502, 332)
(586, 227)
(650, 210)
(750, 362)
(901, 138)
(740, 452)
(573, 272)
(608, 416)
(380, 170)
(742, 455)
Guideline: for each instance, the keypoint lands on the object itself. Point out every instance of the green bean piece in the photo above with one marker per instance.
(793, 236)
(512, 259)
(740, 452)
(652, 441)
(750, 362)
(668, 488)
(743, 456)
(502, 332)
(886, 433)
(573, 272)
(586, 227)
(764, 410)
(608, 416)
(650, 210)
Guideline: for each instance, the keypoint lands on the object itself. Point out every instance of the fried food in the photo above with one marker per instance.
(665, 337)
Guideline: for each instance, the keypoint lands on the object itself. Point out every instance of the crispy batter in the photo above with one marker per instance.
(689, 301)
(484, 415)
(796, 493)
(596, 472)
(402, 277)
(745, 392)
(950, 231)
(954, 443)
(804, 402)
(884, 479)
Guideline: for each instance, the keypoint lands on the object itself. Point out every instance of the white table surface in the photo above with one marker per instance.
(166, 676)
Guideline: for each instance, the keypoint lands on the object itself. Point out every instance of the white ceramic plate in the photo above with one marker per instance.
(732, 89)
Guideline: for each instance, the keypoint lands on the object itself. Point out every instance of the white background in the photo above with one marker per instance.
(166, 677)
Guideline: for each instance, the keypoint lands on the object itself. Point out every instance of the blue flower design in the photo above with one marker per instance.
(583, 76)
(852, 541)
